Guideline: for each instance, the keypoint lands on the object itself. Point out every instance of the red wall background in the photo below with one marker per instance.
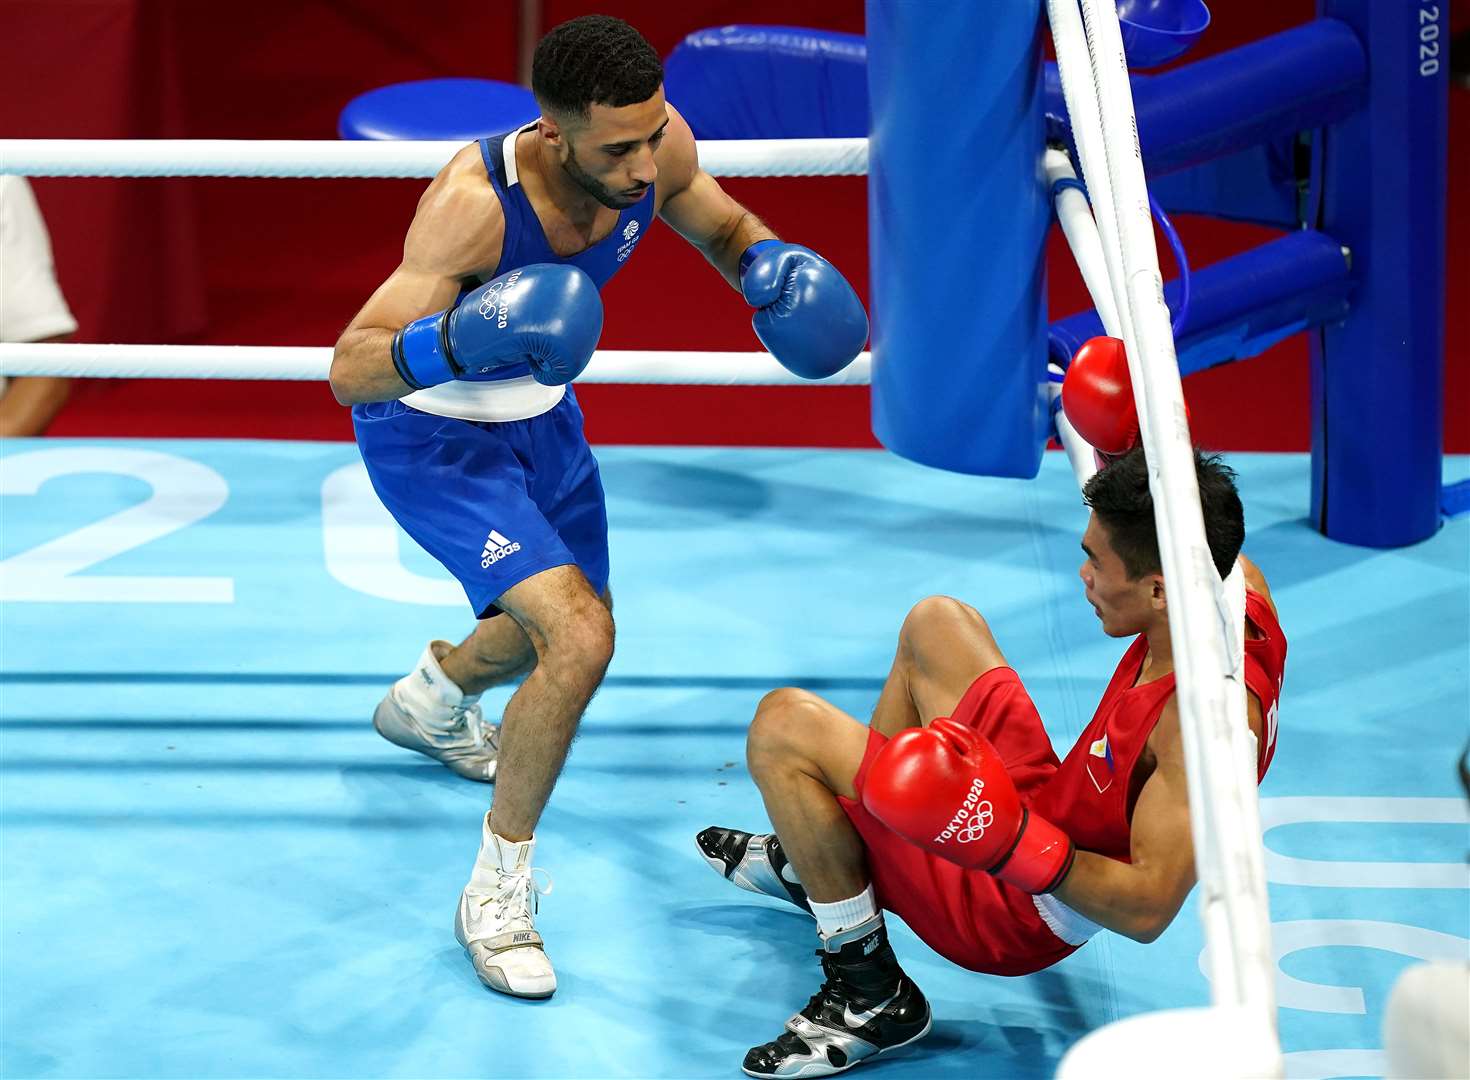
(287, 262)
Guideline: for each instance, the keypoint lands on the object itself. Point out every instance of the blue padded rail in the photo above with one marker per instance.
(770, 82)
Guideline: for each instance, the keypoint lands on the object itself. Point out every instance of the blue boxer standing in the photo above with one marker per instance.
(457, 369)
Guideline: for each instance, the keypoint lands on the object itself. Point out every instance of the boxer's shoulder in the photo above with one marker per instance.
(459, 226)
(462, 191)
(678, 158)
(1255, 581)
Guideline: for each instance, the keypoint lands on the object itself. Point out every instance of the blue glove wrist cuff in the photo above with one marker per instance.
(421, 355)
(753, 252)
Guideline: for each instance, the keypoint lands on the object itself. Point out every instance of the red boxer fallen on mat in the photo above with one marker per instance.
(950, 808)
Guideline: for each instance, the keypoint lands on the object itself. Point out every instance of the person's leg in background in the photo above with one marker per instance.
(32, 309)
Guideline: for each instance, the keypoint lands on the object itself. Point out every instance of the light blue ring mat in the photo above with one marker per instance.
(212, 867)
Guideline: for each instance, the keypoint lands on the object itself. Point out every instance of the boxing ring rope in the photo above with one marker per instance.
(1206, 615)
(311, 363)
(309, 159)
(305, 159)
(1074, 215)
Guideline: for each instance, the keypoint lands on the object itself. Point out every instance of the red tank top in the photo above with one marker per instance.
(1087, 797)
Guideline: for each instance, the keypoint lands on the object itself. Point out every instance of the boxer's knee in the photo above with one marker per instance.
(786, 722)
(577, 645)
(567, 625)
(935, 625)
(783, 714)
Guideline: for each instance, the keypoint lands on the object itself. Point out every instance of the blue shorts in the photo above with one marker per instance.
(495, 503)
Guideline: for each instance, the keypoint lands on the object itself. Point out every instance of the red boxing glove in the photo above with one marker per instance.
(1097, 396)
(946, 789)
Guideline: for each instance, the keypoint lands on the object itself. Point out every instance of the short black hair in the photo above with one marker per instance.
(594, 60)
(1119, 496)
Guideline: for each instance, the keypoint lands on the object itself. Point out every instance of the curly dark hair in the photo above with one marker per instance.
(594, 60)
(1120, 498)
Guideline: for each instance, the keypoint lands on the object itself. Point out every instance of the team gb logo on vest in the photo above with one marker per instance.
(630, 237)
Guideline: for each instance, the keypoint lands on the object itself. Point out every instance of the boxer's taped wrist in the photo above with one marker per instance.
(421, 355)
(753, 252)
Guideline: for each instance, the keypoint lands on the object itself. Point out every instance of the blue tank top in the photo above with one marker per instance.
(525, 241)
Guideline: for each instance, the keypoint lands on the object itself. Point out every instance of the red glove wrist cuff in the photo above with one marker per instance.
(1041, 858)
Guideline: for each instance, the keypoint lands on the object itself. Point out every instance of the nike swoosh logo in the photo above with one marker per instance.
(856, 1020)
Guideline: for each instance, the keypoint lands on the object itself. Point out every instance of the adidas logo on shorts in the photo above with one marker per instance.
(497, 547)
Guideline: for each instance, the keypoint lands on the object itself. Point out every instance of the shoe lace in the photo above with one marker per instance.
(829, 990)
(484, 734)
(835, 990)
(515, 891)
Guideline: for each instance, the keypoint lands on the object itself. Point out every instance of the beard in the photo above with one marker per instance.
(613, 200)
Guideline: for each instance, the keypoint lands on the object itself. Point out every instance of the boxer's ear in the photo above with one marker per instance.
(550, 129)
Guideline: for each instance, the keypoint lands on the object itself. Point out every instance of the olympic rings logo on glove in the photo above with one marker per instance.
(970, 811)
(490, 302)
(495, 303)
(975, 828)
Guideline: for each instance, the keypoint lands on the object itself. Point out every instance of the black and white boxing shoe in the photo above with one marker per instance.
(867, 1006)
(753, 861)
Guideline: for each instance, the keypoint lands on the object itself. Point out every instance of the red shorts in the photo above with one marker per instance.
(967, 916)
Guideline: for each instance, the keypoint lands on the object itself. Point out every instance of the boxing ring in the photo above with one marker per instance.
(211, 860)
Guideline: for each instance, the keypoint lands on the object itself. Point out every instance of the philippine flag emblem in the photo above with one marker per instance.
(1100, 764)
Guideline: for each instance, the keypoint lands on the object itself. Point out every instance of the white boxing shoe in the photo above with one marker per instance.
(425, 711)
(495, 919)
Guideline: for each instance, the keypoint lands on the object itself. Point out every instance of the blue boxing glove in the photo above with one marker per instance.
(809, 318)
(546, 314)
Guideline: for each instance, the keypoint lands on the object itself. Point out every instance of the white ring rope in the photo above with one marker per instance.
(311, 159)
(315, 160)
(1077, 71)
(310, 363)
(1074, 214)
(1206, 617)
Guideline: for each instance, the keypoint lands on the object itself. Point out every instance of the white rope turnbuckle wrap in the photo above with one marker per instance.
(307, 159)
(1205, 615)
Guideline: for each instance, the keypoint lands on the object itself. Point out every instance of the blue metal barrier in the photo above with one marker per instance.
(1242, 306)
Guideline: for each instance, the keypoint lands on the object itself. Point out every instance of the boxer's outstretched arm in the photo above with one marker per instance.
(457, 230)
(1140, 899)
(697, 208)
(807, 315)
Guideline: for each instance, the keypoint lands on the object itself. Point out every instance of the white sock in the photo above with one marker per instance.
(844, 914)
